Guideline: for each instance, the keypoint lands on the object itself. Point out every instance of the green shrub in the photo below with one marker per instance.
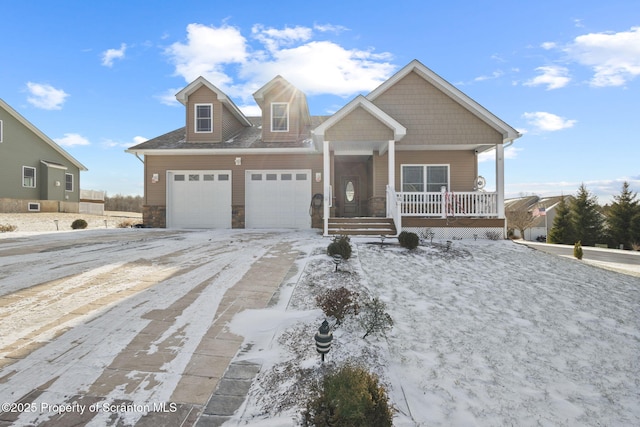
(350, 397)
(408, 240)
(337, 303)
(7, 228)
(340, 245)
(79, 224)
(374, 318)
(577, 250)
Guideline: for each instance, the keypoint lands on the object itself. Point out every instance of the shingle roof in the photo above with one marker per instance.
(248, 137)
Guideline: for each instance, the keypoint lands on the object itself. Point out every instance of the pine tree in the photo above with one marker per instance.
(587, 220)
(623, 220)
(562, 231)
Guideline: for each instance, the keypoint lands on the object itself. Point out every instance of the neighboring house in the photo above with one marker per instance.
(403, 157)
(36, 174)
(543, 209)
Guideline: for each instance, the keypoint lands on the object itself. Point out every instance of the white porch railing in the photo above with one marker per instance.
(444, 204)
(394, 208)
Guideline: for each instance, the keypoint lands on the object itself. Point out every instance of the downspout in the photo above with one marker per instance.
(136, 154)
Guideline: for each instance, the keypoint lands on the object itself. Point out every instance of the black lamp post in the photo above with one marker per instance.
(323, 338)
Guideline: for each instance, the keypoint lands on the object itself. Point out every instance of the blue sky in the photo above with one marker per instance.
(100, 76)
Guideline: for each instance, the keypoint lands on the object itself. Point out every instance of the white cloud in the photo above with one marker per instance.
(314, 66)
(554, 77)
(510, 152)
(495, 75)
(109, 55)
(45, 96)
(168, 97)
(614, 57)
(548, 122)
(71, 140)
(109, 143)
(548, 45)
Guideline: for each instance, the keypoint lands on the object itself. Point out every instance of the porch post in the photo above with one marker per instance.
(391, 157)
(326, 170)
(500, 179)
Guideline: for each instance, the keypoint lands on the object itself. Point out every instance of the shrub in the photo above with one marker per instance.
(337, 303)
(408, 240)
(494, 235)
(127, 223)
(577, 250)
(374, 318)
(7, 228)
(340, 245)
(79, 224)
(350, 397)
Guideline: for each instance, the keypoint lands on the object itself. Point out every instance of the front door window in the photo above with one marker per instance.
(350, 192)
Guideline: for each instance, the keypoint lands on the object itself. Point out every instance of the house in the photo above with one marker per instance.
(403, 157)
(36, 174)
(543, 211)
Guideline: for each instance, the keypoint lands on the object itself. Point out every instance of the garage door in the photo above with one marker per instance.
(199, 199)
(277, 199)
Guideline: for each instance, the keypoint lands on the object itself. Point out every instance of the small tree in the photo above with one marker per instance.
(341, 246)
(577, 250)
(623, 218)
(374, 318)
(337, 303)
(587, 220)
(520, 220)
(562, 231)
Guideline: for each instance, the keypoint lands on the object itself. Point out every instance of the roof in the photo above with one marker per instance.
(41, 135)
(248, 138)
(508, 133)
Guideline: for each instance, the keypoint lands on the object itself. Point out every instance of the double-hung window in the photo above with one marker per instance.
(28, 177)
(279, 117)
(425, 178)
(204, 118)
(68, 182)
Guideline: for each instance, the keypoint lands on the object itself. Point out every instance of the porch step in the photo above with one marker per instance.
(362, 226)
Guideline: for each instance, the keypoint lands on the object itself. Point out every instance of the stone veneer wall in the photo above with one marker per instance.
(377, 206)
(154, 216)
(237, 216)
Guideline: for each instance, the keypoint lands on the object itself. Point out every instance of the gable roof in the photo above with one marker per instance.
(26, 123)
(260, 94)
(508, 133)
(183, 95)
(399, 131)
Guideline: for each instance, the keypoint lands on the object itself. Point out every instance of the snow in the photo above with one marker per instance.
(485, 333)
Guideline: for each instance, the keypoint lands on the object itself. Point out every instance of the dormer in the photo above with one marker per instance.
(285, 113)
(211, 116)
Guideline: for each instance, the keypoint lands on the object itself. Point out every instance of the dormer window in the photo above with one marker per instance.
(204, 118)
(280, 117)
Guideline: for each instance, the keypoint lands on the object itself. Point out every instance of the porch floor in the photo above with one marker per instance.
(361, 226)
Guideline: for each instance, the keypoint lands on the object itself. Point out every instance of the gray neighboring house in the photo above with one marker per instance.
(542, 208)
(36, 174)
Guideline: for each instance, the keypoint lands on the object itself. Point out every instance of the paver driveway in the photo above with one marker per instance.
(126, 326)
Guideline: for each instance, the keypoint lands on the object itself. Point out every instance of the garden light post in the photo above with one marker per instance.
(56, 222)
(337, 259)
(323, 338)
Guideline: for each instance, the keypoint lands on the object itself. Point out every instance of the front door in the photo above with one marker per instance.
(351, 196)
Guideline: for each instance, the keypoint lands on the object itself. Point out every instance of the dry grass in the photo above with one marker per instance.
(53, 221)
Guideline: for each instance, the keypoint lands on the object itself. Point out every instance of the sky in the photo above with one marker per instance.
(99, 77)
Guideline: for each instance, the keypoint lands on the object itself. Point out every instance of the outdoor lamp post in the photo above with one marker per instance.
(337, 259)
(323, 338)
(56, 222)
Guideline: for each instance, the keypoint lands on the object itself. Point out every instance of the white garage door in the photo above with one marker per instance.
(277, 199)
(198, 199)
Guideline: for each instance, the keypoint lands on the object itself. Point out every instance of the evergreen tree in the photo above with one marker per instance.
(562, 231)
(623, 219)
(587, 220)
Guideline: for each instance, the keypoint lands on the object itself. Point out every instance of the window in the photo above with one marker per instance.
(256, 177)
(194, 177)
(425, 178)
(208, 177)
(279, 117)
(68, 182)
(301, 177)
(178, 177)
(272, 177)
(204, 117)
(28, 177)
(223, 177)
(1, 130)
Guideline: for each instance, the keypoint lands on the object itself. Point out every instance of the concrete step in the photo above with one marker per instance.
(361, 226)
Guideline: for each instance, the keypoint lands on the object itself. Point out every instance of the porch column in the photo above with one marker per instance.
(326, 170)
(392, 164)
(500, 179)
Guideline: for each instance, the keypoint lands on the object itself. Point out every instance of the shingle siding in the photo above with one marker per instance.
(359, 125)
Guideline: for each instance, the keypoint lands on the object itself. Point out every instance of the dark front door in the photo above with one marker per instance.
(350, 188)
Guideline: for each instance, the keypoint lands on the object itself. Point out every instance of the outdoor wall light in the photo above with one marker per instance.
(154, 178)
(238, 161)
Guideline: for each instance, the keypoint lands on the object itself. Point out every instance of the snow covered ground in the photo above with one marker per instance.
(485, 333)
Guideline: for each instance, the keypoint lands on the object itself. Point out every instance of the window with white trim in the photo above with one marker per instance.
(425, 178)
(68, 182)
(280, 117)
(28, 177)
(204, 118)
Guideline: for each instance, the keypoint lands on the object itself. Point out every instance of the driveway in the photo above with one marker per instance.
(127, 326)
